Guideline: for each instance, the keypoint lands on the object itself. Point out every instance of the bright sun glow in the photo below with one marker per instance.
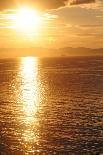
(27, 20)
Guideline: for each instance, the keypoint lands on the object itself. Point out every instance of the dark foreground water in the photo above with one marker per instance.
(51, 106)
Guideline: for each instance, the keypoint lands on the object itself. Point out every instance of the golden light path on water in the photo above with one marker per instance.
(31, 99)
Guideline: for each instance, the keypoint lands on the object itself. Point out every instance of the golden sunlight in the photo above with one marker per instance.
(30, 87)
(27, 20)
(30, 98)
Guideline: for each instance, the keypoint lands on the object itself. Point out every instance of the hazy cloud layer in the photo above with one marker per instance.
(40, 4)
(76, 2)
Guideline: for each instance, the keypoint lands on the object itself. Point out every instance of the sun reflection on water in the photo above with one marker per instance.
(30, 98)
(30, 85)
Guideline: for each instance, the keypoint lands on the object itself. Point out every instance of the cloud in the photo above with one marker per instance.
(40, 4)
(76, 2)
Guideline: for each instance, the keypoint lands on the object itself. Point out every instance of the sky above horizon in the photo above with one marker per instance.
(61, 23)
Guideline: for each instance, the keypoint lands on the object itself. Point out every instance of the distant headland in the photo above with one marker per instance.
(49, 52)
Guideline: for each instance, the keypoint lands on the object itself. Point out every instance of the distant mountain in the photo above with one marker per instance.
(80, 51)
(49, 52)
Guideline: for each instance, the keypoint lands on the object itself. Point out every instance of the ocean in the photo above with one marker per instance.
(51, 106)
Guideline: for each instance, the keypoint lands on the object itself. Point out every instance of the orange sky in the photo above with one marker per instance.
(73, 26)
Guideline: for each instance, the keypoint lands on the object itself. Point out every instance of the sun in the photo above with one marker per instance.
(27, 20)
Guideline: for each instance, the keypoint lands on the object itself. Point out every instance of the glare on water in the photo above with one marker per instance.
(30, 98)
(30, 92)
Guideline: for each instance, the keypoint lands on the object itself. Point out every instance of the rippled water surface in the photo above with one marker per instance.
(51, 106)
